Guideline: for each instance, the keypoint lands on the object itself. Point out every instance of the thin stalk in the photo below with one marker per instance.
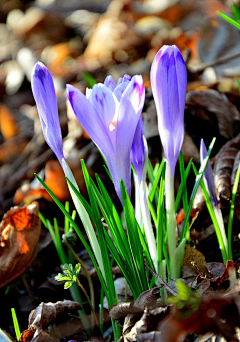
(160, 220)
(71, 250)
(138, 213)
(170, 218)
(89, 301)
(145, 211)
(219, 218)
(148, 224)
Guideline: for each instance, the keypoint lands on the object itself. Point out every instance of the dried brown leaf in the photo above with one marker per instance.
(19, 233)
(213, 102)
(36, 336)
(223, 169)
(146, 299)
(47, 313)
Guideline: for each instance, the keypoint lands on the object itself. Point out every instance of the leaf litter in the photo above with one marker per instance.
(70, 38)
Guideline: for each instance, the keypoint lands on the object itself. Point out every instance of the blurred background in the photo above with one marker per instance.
(81, 42)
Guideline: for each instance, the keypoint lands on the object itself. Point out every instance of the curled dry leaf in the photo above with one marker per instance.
(36, 336)
(19, 233)
(47, 313)
(146, 299)
(217, 104)
(43, 316)
(225, 170)
(133, 331)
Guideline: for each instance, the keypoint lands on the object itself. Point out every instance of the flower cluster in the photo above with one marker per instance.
(111, 114)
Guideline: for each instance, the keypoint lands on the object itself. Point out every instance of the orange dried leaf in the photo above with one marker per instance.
(8, 123)
(19, 233)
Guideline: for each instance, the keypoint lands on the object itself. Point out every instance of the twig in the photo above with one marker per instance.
(20, 173)
(28, 148)
(160, 280)
(216, 62)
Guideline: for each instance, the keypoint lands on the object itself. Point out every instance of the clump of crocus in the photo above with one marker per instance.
(169, 84)
(210, 187)
(110, 113)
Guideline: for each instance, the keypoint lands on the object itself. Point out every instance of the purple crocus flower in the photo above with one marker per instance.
(110, 115)
(45, 97)
(169, 84)
(208, 176)
(138, 151)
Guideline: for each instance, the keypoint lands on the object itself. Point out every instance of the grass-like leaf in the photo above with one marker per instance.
(230, 20)
(194, 191)
(213, 217)
(230, 220)
(77, 230)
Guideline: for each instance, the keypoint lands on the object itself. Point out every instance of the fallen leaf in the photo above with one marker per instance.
(36, 336)
(217, 104)
(47, 313)
(8, 124)
(223, 169)
(19, 233)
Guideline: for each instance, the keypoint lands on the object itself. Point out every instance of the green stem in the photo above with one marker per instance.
(170, 218)
(89, 301)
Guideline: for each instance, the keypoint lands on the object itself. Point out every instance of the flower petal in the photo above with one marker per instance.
(88, 92)
(45, 97)
(137, 150)
(110, 83)
(130, 110)
(93, 124)
(126, 78)
(119, 90)
(169, 83)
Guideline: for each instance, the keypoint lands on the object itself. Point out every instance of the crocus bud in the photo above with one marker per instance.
(169, 84)
(45, 97)
(208, 176)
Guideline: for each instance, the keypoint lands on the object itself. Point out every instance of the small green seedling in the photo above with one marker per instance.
(70, 275)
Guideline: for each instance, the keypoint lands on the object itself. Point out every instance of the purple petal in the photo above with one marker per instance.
(88, 92)
(126, 78)
(137, 150)
(119, 81)
(169, 83)
(90, 120)
(208, 175)
(119, 90)
(45, 97)
(130, 110)
(110, 83)
(106, 105)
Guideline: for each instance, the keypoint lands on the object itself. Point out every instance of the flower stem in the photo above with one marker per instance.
(170, 217)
